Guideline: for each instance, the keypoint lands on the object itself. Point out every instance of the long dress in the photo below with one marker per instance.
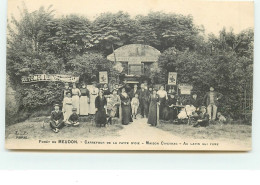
(100, 118)
(126, 109)
(67, 108)
(162, 99)
(170, 113)
(152, 116)
(113, 103)
(65, 90)
(93, 93)
(75, 98)
(84, 102)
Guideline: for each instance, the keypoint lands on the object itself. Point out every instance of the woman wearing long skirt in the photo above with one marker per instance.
(113, 103)
(126, 109)
(65, 91)
(67, 107)
(171, 110)
(152, 116)
(84, 101)
(93, 93)
(75, 97)
(100, 104)
(162, 99)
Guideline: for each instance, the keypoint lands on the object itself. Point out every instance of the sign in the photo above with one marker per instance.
(172, 78)
(135, 69)
(185, 88)
(49, 77)
(103, 79)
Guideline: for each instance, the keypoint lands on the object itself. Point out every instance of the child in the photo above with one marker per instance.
(74, 118)
(57, 117)
(134, 105)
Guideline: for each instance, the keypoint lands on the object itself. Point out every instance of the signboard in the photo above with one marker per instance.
(49, 77)
(135, 69)
(172, 78)
(185, 88)
(103, 78)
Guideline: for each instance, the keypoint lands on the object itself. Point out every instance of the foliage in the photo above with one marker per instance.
(41, 43)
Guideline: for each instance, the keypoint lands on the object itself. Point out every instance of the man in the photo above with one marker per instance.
(211, 99)
(56, 122)
(74, 118)
(134, 91)
(195, 101)
(203, 119)
(144, 100)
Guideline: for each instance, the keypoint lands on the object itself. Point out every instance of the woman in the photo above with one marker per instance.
(75, 97)
(67, 107)
(100, 104)
(65, 91)
(84, 101)
(106, 90)
(113, 103)
(162, 99)
(93, 93)
(170, 109)
(152, 116)
(125, 104)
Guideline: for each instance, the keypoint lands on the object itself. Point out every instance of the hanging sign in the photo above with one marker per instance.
(49, 77)
(103, 79)
(185, 88)
(172, 78)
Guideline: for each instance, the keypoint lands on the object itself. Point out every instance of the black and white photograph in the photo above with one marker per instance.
(129, 75)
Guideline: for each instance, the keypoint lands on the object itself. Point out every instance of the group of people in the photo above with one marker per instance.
(124, 104)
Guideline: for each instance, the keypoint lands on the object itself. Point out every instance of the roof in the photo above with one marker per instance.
(135, 52)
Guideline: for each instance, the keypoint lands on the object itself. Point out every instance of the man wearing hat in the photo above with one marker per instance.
(56, 122)
(74, 118)
(211, 99)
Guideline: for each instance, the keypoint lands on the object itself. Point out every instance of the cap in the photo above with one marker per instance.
(74, 109)
(56, 104)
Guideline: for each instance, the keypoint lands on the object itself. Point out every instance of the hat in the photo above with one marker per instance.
(74, 109)
(203, 107)
(56, 104)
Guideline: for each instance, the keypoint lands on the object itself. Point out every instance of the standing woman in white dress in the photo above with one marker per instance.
(93, 93)
(75, 97)
(84, 101)
(67, 107)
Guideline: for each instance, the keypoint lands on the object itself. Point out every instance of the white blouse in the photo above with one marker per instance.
(162, 94)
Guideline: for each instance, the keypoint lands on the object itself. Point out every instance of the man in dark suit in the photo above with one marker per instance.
(144, 100)
(57, 119)
(211, 99)
(134, 91)
(203, 118)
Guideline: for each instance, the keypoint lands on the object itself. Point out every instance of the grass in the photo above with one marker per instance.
(38, 128)
(232, 131)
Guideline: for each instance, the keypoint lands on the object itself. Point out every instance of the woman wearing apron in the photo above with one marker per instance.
(92, 95)
(84, 101)
(75, 97)
(67, 107)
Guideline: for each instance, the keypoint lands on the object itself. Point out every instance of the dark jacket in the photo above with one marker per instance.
(74, 117)
(132, 93)
(57, 116)
(194, 102)
(216, 97)
(100, 103)
(144, 96)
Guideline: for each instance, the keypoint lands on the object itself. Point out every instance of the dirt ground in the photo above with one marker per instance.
(228, 134)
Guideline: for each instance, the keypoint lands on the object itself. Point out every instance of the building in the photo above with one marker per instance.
(137, 61)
